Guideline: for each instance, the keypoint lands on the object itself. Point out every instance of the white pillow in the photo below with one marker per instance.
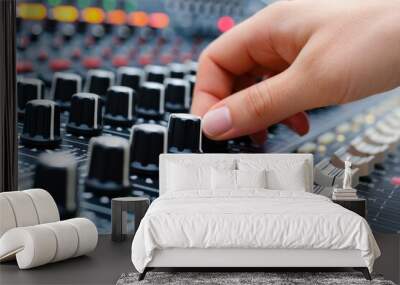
(292, 180)
(183, 178)
(223, 179)
(251, 178)
(191, 174)
(282, 174)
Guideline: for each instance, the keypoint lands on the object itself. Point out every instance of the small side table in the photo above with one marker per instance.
(120, 207)
(358, 206)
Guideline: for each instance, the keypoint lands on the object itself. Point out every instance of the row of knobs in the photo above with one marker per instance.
(122, 104)
(98, 81)
(111, 160)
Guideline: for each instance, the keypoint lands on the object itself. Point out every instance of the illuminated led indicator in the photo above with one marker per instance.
(225, 23)
(93, 15)
(116, 17)
(139, 19)
(159, 20)
(65, 13)
(32, 11)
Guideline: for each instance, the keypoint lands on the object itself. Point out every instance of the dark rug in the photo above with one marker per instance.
(232, 278)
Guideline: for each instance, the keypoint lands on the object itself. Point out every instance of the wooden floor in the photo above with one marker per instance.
(106, 264)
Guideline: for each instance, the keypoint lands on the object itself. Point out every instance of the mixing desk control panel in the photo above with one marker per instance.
(104, 87)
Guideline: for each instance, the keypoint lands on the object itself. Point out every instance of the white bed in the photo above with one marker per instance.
(248, 227)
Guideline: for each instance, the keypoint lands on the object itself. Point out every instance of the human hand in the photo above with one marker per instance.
(311, 54)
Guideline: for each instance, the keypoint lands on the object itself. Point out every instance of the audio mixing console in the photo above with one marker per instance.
(102, 88)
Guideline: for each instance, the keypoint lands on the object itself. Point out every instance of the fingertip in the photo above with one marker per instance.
(216, 122)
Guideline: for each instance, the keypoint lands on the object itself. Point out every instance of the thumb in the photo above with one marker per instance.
(255, 108)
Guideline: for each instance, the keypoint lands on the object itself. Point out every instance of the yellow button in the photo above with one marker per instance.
(93, 15)
(32, 11)
(65, 13)
(308, 147)
(326, 138)
(343, 128)
(322, 149)
(370, 119)
(340, 138)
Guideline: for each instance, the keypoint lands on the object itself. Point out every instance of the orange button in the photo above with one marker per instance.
(139, 19)
(116, 17)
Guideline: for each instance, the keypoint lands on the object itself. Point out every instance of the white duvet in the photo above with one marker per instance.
(250, 219)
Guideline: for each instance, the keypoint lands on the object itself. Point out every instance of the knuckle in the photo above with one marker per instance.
(259, 99)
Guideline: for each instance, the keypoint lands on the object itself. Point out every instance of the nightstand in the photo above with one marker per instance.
(120, 207)
(358, 206)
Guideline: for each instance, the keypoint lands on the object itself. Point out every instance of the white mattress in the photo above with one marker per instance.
(252, 219)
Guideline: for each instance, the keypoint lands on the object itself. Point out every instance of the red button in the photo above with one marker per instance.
(186, 56)
(145, 59)
(24, 66)
(120, 60)
(91, 62)
(395, 181)
(166, 58)
(60, 64)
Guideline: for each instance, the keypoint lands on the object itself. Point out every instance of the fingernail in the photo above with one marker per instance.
(217, 121)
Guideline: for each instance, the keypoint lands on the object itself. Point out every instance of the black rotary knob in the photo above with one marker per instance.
(147, 142)
(177, 95)
(184, 133)
(130, 77)
(177, 70)
(108, 166)
(156, 73)
(65, 85)
(28, 89)
(98, 81)
(57, 172)
(120, 106)
(150, 101)
(192, 80)
(85, 115)
(41, 124)
(192, 67)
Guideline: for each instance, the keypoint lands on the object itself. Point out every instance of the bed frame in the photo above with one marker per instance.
(242, 259)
